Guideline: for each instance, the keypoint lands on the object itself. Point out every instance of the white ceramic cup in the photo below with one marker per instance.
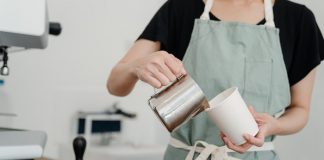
(231, 115)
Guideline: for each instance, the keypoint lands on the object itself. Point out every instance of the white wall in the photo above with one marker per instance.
(46, 87)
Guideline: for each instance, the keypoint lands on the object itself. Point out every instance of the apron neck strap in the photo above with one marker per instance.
(208, 7)
(268, 9)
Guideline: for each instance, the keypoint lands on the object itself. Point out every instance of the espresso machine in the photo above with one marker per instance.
(24, 25)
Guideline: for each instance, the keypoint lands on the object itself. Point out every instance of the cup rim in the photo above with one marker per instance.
(232, 89)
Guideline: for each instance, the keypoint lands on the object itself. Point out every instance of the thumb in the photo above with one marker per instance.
(251, 109)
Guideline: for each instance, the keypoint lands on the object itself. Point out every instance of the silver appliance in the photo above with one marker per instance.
(24, 24)
(18, 144)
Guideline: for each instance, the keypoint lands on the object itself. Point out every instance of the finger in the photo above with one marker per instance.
(257, 116)
(162, 78)
(261, 134)
(167, 72)
(251, 109)
(222, 134)
(233, 147)
(240, 149)
(150, 80)
(173, 65)
(158, 75)
(257, 141)
(183, 71)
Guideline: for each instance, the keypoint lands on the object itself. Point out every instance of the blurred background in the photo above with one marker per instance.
(47, 88)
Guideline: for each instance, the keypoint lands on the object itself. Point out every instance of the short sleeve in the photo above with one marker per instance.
(161, 25)
(309, 47)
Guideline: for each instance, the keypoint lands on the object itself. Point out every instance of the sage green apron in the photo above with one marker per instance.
(226, 54)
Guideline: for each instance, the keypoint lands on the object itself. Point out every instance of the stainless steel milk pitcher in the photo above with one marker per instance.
(178, 102)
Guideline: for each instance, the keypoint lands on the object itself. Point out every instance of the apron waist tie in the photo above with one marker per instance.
(216, 152)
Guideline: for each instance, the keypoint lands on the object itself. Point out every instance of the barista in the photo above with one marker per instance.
(225, 43)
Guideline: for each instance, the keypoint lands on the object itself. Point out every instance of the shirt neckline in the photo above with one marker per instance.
(261, 22)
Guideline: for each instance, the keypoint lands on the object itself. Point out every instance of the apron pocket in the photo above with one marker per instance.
(257, 83)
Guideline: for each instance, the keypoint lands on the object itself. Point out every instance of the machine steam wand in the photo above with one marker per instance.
(4, 70)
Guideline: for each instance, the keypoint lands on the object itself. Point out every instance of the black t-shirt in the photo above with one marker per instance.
(301, 39)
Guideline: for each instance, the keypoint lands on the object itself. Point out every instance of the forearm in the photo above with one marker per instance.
(121, 80)
(293, 120)
(296, 116)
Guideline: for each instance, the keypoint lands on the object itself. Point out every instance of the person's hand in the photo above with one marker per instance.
(158, 69)
(267, 126)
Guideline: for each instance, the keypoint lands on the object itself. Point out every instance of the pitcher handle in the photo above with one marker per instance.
(157, 90)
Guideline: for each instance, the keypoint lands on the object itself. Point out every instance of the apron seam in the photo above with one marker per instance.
(270, 87)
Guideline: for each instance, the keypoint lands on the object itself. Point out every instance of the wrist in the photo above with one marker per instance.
(131, 69)
(274, 128)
